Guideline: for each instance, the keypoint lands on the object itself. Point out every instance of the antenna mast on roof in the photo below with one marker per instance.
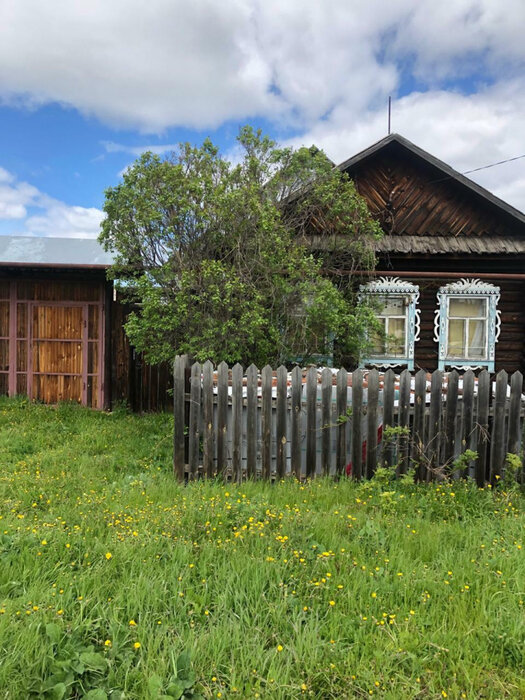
(389, 112)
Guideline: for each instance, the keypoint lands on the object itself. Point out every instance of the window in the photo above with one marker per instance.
(467, 324)
(398, 317)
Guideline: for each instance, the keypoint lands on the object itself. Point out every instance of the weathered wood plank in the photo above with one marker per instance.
(373, 400)
(297, 386)
(450, 420)
(237, 375)
(326, 420)
(418, 432)
(342, 419)
(404, 420)
(222, 417)
(357, 438)
(311, 436)
(179, 401)
(388, 417)
(434, 424)
(516, 388)
(482, 427)
(467, 429)
(207, 419)
(251, 421)
(195, 414)
(282, 400)
(498, 438)
(266, 421)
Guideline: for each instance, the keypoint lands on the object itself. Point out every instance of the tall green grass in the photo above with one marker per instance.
(109, 571)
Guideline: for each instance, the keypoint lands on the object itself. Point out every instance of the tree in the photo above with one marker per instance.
(216, 254)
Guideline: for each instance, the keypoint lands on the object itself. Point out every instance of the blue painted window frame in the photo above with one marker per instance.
(395, 287)
(467, 289)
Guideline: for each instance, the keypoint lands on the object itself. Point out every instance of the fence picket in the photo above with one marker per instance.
(450, 420)
(434, 424)
(342, 417)
(483, 426)
(357, 408)
(222, 416)
(282, 400)
(311, 401)
(207, 419)
(498, 441)
(516, 387)
(179, 403)
(326, 420)
(195, 414)
(266, 419)
(371, 414)
(388, 416)
(205, 423)
(251, 421)
(404, 420)
(237, 374)
(418, 438)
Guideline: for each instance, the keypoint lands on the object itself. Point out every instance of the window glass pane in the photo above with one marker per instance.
(396, 336)
(393, 306)
(467, 308)
(378, 339)
(476, 339)
(456, 335)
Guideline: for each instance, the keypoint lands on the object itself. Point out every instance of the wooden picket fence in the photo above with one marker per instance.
(273, 424)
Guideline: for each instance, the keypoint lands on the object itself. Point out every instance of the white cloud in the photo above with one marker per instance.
(36, 214)
(200, 63)
(465, 131)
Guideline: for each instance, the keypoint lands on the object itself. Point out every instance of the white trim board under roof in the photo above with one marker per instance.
(33, 251)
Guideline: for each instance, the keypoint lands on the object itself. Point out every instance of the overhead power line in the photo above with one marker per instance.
(500, 162)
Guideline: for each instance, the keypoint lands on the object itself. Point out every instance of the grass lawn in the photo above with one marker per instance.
(110, 572)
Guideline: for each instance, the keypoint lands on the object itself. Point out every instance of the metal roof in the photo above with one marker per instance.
(32, 251)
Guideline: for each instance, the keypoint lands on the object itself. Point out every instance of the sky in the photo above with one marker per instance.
(87, 85)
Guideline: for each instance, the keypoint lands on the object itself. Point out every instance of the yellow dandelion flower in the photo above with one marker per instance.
(136, 645)
(132, 623)
(332, 603)
(279, 647)
(108, 643)
(108, 555)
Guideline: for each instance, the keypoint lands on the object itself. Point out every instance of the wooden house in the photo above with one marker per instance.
(450, 286)
(450, 275)
(61, 328)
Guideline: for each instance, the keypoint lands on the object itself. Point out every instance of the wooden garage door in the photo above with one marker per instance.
(58, 352)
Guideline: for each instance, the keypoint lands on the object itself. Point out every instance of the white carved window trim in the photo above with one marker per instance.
(468, 289)
(396, 288)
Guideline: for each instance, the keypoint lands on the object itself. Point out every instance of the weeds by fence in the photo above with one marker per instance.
(271, 424)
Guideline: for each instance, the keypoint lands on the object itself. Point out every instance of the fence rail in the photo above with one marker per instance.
(272, 424)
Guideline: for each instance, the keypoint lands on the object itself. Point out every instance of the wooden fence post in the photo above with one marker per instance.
(326, 420)
(434, 424)
(450, 421)
(222, 417)
(195, 416)
(498, 439)
(342, 416)
(357, 439)
(404, 420)
(311, 436)
(371, 414)
(418, 433)
(266, 420)
(251, 421)
(179, 400)
(282, 402)
(207, 418)
(237, 375)
(388, 417)
(483, 426)
(468, 415)
(297, 386)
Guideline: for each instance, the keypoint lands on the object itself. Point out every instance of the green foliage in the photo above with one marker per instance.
(218, 255)
(462, 462)
(513, 466)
